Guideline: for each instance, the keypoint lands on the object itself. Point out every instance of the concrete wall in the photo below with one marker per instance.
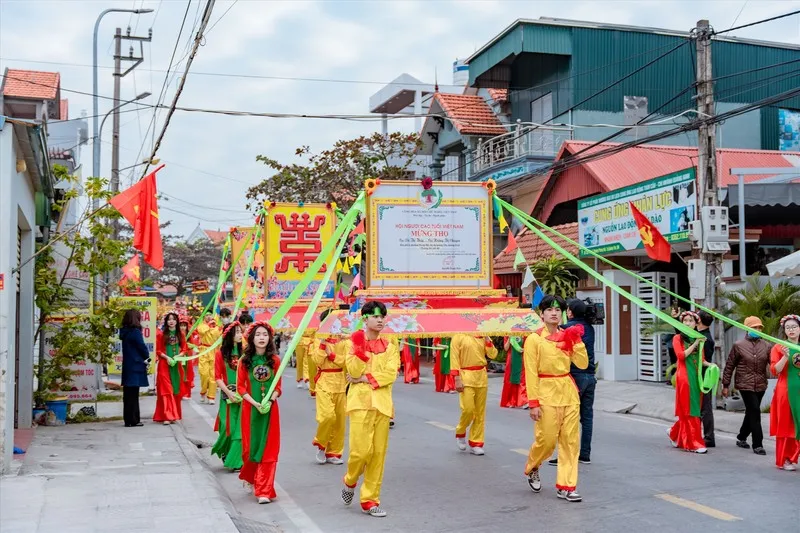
(17, 210)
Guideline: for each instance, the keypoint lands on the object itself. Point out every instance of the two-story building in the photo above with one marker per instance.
(28, 100)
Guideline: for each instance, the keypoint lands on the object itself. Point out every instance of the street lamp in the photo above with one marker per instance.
(153, 161)
(95, 112)
(99, 134)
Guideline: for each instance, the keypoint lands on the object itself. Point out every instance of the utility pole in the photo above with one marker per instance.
(118, 75)
(713, 218)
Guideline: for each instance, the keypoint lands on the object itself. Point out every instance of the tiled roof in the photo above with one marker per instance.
(32, 84)
(64, 111)
(217, 237)
(498, 95)
(471, 115)
(533, 248)
(648, 161)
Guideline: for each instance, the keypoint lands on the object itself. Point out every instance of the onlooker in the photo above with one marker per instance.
(585, 378)
(749, 357)
(135, 359)
(707, 408)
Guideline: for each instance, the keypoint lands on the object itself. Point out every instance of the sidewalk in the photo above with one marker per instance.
(656, 400)
(104, 477)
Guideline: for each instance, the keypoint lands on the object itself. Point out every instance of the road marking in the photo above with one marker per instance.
(664, 424)
(708, 511)
(136, 446)
(285, 503)
(49, 474)
(112, 467)
(440, 425)
(66, 462)
(521, 451)
(154, 463)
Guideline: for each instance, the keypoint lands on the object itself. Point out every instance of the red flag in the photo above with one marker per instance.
(654, 243)
(358, 229)
(139, 206)
(512, 244)
(130, 272)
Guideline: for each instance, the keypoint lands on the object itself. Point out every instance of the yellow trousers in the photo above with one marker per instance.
(330, 422)
(208, 385)
(300, 361)
(473, 415)
(309, 372)
(558, 425)
(369, 439)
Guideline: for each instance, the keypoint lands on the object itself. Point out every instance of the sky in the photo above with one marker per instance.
(353, 47)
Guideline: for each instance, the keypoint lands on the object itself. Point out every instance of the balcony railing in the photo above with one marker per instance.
(522, 140)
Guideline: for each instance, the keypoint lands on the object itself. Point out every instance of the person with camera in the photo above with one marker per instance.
(578, 313)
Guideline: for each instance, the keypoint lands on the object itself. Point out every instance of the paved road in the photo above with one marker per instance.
(636, 481)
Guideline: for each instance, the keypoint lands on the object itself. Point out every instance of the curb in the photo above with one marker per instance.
(207, 483)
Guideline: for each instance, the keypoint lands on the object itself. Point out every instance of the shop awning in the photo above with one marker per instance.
(766, 194)
(430, 323)
(785, 266)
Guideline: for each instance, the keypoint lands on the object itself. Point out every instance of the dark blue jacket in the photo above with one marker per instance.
(134, 358)
(588, 340)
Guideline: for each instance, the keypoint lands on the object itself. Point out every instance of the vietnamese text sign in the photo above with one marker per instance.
(789, 130)
(85, 375)
(441, 237)
(243, 239)
(295, 235)
(149, 327)
(606, 225)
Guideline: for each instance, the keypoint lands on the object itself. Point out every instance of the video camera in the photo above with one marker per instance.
(595, 312)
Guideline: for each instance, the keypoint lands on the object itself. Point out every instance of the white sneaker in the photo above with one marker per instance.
(347, 494)
(701, 450)
(299, 384)
(461, 443)
(476, 450)
(305, 385)
(569, 495)
(166, 422)
(534, 481)
(669, 436)
(320, 457)
(203, 399)
(376, 511)
(788, 467)
(263, 500)
(335, 460)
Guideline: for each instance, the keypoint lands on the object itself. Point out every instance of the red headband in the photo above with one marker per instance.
(260, 324)
(790, 317)
(691, 314)
(229, 326)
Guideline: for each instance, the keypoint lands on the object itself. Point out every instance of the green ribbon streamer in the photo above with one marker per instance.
(239, 298)
(525, 219)
(340, 237)
(515, 344)
(220, 283)
(609, 262)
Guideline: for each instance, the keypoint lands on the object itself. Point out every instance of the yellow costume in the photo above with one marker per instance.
(369, 406)
(329, 357)
(208, 383)
(468, 360)
(306, 346)
(300, 363)
(551, 388)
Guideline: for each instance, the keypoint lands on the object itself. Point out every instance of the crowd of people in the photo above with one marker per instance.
(550, 372)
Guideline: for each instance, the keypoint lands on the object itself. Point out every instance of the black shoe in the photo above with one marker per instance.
(742, 444)
(553, 461)
(711, 444)
(759, 451)
(584, 460)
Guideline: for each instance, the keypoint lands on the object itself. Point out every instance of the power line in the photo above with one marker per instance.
(171, 197)
(198, 39)
(758, 22)
(221, 17)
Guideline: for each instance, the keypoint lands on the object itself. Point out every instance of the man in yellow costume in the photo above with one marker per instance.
(306, 344)
(468, 365)
(372, 366)
(329, 356)
(553, 397)
(209, 334)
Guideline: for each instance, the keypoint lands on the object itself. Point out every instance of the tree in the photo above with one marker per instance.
(760, 298)
(337, 174)
(82, 336)
(188, 262)
(554, 276)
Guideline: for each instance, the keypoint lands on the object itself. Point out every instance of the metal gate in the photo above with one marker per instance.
(653, 356)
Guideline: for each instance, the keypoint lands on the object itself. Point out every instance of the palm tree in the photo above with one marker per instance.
(760, 298)
(554, 277)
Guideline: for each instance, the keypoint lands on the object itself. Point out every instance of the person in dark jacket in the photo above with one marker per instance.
(749, 357)
(135, 359)
(585, 378)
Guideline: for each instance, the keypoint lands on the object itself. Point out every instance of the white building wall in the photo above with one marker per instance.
(17, 210)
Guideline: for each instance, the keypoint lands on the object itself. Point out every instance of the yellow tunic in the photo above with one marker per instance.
(330, 381)
(544, 358)
(330, 398)
(381, 369)
(208, 335)
(468, 359)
